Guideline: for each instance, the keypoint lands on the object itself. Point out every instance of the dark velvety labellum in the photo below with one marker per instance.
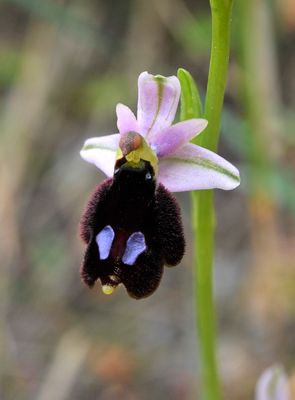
(136, 226)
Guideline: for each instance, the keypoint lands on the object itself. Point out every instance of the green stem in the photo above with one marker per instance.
(203, 227)
(203, 203)
(221, 11)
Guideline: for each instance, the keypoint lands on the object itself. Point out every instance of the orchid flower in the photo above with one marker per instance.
(273, 385)
(132, 225)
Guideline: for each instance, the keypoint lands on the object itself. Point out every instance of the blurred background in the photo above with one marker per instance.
(64, 65)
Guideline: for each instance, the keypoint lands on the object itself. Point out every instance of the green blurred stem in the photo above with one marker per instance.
(203, 203)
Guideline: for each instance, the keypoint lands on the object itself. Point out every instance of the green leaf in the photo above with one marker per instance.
(191, 104)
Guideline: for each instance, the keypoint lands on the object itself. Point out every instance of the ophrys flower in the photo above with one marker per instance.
(132, 224)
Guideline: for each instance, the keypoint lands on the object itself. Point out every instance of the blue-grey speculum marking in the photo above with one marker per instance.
(134, 247)
(104, 241)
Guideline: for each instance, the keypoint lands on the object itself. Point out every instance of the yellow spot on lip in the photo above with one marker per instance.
(107, 289)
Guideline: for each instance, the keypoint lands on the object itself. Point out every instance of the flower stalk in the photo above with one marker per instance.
(203, 202)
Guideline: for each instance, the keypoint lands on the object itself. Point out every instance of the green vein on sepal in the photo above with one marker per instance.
(159, 79)
(95, 146)
(207, 164)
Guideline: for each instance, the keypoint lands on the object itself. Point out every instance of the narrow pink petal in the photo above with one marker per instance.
(158, 99)
(126, 121)
(272, 385)
(101, 151)
(194, 168)
(170, 139)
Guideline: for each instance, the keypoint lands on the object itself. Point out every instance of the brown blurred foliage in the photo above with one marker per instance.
(63, 67)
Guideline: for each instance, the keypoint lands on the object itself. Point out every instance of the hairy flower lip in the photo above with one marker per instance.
(129, 244)
(182, 165)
